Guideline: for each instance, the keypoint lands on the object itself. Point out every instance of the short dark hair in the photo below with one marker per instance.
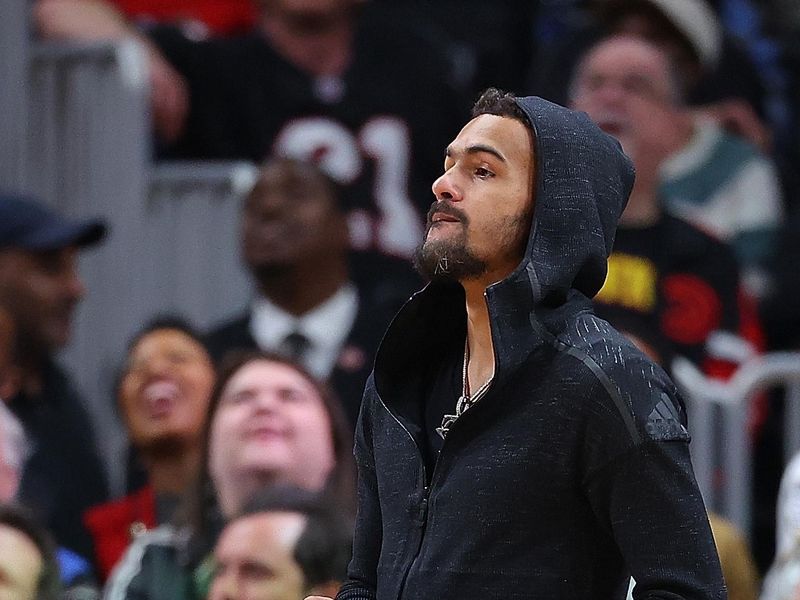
(16, 517)
(493, 101)
(323, 549)
(334, 188)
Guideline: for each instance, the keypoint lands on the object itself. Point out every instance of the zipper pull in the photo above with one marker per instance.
(422, 515)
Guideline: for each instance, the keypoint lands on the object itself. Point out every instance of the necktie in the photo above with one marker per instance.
(294, 346)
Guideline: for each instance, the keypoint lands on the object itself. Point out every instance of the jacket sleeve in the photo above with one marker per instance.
(648, 499)
(361, 581)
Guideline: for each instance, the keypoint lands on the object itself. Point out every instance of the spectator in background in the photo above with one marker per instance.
(28, 567)
(40, 288)
(285, 543)
(489, 43)
(269, 423)
(163, 394)
(661, 265)
(705, 175)
(714, 67)
(333, 81)
(308, 305)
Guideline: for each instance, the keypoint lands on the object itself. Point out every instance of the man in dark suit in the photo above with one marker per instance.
(315, 300)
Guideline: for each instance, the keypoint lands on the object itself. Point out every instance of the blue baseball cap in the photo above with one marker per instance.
(30, 225)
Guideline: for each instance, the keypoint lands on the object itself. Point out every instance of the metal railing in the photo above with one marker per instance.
(15, 45)
(722, 452)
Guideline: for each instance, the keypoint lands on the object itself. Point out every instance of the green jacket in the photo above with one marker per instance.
(156, 567)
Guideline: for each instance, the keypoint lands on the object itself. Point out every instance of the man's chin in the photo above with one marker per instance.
(442, 260)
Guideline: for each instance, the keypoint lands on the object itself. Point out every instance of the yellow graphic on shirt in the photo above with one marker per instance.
(631, 282)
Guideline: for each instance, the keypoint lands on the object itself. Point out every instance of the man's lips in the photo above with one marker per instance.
(265, 433)
(440, 216)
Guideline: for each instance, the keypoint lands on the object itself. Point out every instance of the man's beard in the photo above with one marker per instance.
(448, 260)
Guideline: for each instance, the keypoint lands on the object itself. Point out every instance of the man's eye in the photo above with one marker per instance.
(483, 173)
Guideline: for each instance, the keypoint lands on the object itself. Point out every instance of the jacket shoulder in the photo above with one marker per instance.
(631, 391)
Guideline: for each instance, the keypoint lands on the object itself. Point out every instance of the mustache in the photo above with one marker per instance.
(446, 208)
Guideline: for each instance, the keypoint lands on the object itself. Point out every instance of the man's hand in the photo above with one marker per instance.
(99, 20)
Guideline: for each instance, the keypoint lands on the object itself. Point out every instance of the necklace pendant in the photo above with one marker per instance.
(462, 404)
(447, 422)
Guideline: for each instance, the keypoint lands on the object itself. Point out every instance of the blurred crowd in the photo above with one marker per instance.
(239, 474)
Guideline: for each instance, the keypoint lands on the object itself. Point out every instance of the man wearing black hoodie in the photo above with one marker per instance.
(512, 445)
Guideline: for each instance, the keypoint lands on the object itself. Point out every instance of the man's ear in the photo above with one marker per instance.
(328, 589)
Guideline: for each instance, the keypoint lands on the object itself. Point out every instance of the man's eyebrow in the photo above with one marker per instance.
(476, 149)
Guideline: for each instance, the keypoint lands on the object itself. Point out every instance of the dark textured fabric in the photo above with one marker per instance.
(444, 387)
(64, 476)
(573, 470)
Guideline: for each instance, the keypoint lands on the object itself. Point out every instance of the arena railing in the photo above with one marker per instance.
(14, 32)
(722, 450)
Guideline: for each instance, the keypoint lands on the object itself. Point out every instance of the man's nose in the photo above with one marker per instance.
(223, 588)
(446, 188)
(266, 401)
(72, 285)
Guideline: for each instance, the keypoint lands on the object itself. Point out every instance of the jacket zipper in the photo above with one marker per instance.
(423, 511)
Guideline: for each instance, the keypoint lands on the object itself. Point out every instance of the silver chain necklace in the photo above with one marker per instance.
(466, 400)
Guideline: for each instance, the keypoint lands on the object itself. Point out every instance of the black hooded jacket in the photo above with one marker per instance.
(573, 471)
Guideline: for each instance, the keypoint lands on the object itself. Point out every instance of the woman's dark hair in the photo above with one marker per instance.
(48, 586)
(201, 512)
(323, 549)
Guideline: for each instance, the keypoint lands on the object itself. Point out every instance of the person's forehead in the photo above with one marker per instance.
(507, 135)
(285, 177)
(628, 55)
(165, 338)
(256, 533)
(269, 374)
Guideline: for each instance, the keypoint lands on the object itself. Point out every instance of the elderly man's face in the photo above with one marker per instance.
(20, 565)
(40, 290)
(620, 83)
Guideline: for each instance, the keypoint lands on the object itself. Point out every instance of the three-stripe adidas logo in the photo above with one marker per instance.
(664, 422)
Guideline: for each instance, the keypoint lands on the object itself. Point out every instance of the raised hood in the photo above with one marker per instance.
(582, 182)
